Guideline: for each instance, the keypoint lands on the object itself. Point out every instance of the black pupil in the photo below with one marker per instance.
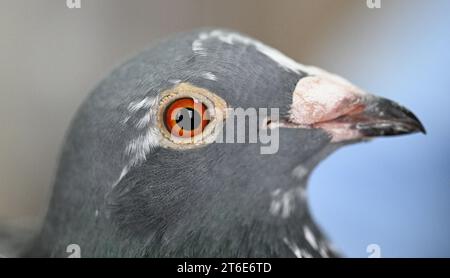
(188, 119)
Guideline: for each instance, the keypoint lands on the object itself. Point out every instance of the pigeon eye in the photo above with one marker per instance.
(189, 116)
(186, 117)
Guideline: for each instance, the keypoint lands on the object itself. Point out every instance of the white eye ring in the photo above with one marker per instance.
(216, 111)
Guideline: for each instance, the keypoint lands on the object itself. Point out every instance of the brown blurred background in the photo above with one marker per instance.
(52, 56)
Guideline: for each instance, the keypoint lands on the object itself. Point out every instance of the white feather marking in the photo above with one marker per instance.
(276, 192)
(139, 147)
(306, 254)
(301, 192)
(294, 248)
(210, 76)
(275, 207)
(143, 122)
(300, 172)
(231, 38)
(288, 204)
(197, 45)
(323, 250)
(299, 253)
(147, 102)
(174, 81)
(282, 204)
(309, 236)
(122, 174)
(125, 120)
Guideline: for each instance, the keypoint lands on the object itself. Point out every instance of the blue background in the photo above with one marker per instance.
(394, 192)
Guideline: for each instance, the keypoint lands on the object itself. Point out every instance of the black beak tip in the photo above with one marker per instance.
(418, 126)
(387, 118)
(421, 128)
(407, 125)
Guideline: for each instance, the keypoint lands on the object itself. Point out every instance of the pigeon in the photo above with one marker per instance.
(144, 173)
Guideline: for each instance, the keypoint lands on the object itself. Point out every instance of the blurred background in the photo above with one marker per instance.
(391, 192)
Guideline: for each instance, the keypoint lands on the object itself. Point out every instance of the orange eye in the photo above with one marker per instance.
(186, 117)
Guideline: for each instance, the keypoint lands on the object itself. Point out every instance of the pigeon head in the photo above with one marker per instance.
(151, 166)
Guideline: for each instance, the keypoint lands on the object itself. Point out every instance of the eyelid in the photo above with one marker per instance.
(216, 107)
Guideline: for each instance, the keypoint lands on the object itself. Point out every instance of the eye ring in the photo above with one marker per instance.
(210, 111)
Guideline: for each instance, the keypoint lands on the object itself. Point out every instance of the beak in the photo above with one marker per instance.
(346, 112)
(383, 117)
